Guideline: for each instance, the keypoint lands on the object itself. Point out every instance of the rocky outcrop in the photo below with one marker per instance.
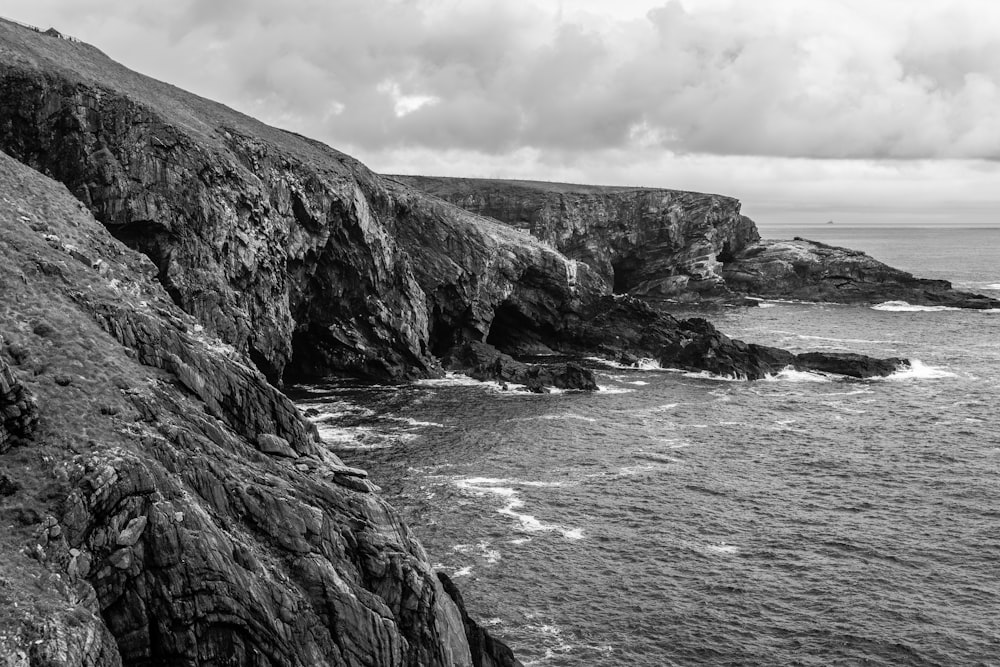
(813, 271)
(171, 506)
(645, 241)
(18, 410)
(484, 362)
(627, 329)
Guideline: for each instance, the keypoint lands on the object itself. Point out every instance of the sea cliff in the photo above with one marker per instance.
(167, 264)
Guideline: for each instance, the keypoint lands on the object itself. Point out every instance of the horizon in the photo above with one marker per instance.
(836, 110)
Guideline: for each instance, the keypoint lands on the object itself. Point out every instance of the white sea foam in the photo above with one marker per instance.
(529, 523)
(918, 370)
(410, 421)
(605, 389)
(722, 548)
(904, 307)
(464, 572)
(705, 375)
(789, 374)
(644, 364)
(358, 437)
(993, 286)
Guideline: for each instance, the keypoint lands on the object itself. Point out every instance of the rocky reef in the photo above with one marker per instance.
(687, 246)
(813, 271)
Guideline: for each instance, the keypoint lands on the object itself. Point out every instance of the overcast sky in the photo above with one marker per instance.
(881, 110)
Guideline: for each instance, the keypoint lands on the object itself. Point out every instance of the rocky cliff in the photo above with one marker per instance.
(645, 241)
(686, 246)
(285, 248)
(162, 503)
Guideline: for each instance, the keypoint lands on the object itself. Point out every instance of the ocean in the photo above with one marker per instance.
(677, 518)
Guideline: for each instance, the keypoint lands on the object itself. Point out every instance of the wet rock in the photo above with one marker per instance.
(485, 362)
(853, 365)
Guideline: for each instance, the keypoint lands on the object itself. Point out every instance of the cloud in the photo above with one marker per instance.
(826, 79)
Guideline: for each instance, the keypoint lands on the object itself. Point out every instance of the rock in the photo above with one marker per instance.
(121, 559)
(485, 362)
(813, 271)
(853, 365)
(275, 446)
(8, 487)
(132, 532)
(18, 410)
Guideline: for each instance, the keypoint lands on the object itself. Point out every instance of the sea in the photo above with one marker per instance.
(678, 518)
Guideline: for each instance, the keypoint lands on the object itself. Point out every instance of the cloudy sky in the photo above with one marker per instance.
(854, 110)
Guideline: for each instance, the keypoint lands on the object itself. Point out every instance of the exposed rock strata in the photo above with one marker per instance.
(646, 241)
(153, 520)
(812, 271)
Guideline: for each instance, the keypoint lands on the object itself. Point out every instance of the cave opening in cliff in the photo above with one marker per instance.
(515, 333)
(152, 240)
(626, 270)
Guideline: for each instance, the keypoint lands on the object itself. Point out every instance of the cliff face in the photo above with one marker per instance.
(170, 506)
(285, 248)
(650, 242)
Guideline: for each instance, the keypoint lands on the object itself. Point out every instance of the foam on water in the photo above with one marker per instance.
(528, 522)
(789, 374)
(606, 389)
(904, 307)
(918, 370)
(644, 364)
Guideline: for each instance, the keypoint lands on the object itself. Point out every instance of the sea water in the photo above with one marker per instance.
(676, 518)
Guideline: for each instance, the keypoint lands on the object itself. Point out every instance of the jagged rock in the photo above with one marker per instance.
(813, 271)
(846, 363)
(485, 362)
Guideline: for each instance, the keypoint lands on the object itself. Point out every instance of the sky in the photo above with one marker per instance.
(858, 111)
